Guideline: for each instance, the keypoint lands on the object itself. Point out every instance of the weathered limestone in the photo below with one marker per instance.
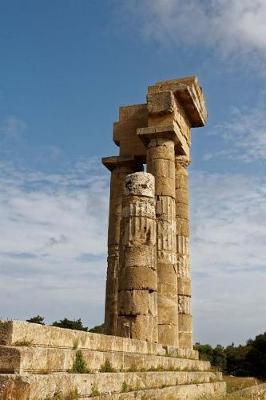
(182, 251)
(36, 364)
(13, 333)
(137, 287)
(155, 385)
(158, 133)
(161, 163)
(120, 167)
(30, 359)
(148, 288)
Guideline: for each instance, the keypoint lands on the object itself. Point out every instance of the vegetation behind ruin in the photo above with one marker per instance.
(242, 360)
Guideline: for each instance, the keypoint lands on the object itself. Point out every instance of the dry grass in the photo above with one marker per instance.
(235, 383)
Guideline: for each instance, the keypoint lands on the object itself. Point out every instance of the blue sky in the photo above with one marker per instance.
(66, 66)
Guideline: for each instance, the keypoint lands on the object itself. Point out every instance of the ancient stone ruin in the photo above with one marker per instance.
(148, 291)
(147, 352)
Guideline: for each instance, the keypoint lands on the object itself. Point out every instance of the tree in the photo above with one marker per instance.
(256, 357)
(37, 320)
(205, 351)
(219, 357)
(69, 324)
(97, 329)
(236, 358)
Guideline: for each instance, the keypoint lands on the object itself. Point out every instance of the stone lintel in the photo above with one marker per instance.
(116, 161)
(189, 94)
(132, 111)
(131, 118)
(152, 132)
(195, 110)
(171, 132)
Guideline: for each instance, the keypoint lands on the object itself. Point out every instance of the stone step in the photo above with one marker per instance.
(184, 392)
(13, 333)
(27, 359)
(40, 387)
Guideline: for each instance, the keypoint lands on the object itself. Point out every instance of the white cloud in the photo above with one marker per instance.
(228, 217)
(53, 242)
(232, 26)
(244, 136)
(53, 245)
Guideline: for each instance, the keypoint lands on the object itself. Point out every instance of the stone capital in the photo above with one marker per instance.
(166, 132)
(117, 161)
(184, 161)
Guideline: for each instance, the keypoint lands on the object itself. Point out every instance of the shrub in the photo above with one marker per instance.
(107, 367)
(79, 365)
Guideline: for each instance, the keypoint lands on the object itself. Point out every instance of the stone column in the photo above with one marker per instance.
(137, 292)
(161, 163)
(182, 240)
(120, 167)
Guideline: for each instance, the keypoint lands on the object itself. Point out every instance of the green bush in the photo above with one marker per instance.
(69, 324)
(79, 365)
(107, 367)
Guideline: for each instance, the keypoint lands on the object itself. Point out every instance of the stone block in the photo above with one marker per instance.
(181, 196)
(142, 327)
(182, 245)
(185, 340)
(162, 168)
(184, 286)
(163, 150)
(26, 360)
(184, 304)
(167, 334)
(181, 180)
(13, 332)
(167, 273)
(124, 132)
(189, 94)
(185, 323)
(168, 312)
(139, 256)
(137, 302)
(160, 103)
(109, 386)
(133, 112)
(182, 227)
(182, 211)
(137, 278)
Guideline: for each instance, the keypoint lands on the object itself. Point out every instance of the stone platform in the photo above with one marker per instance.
(36, 363)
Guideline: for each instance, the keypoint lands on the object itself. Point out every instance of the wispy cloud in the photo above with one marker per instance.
(12, 127)
(48, 222)
(228, 217)
(244, 136)
(231, 26)
(53, 246)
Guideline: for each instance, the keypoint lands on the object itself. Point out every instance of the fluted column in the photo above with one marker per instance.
(182, 249)
(161, 163)
(120, 167)
(137, 289)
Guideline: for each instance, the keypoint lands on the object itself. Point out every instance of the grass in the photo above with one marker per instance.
(107, 367)
(125, 388)
(23, 342)
(72, 395)
(94, 391)
(235, 383)
(75, 344)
